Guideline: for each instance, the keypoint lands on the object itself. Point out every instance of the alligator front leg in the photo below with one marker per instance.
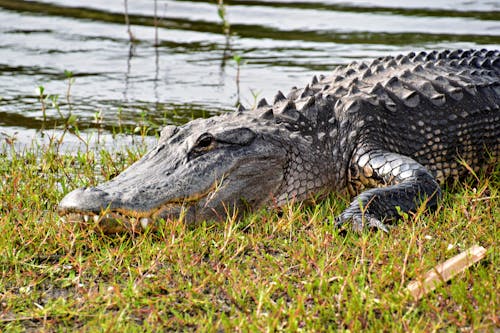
(399, 181)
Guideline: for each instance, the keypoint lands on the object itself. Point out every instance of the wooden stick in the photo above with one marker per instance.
(445, 271)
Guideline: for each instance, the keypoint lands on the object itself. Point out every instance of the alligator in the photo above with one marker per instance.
(389, 132)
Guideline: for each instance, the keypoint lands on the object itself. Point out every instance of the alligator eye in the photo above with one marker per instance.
(204, 141)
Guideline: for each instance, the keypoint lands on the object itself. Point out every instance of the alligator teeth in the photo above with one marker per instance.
(96, 218)
(86, 218)
(144, 222)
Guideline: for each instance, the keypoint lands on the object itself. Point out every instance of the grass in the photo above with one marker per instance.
(268, 272)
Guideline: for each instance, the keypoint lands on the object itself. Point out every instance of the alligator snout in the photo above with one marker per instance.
(93, 205)
(88, 200)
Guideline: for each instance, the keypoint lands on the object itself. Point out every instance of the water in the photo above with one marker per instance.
(191, 71)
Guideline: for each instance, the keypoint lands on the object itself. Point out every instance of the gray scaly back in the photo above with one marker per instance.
(399, 125)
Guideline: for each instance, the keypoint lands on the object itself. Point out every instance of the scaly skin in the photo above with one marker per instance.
(389, 131)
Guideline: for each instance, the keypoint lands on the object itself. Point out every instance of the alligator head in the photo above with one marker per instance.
(203, 170)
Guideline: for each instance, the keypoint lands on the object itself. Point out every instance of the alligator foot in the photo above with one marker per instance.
(406, 184)
(359, 222)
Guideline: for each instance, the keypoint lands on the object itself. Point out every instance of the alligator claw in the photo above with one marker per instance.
(360, 222)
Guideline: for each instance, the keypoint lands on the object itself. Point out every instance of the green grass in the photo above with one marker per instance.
(268, 272)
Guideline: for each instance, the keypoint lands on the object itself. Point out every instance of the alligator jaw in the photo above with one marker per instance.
(121, 220)
(108, 223)
(114, 222)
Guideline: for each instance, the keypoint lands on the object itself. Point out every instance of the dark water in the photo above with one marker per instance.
(189, 71)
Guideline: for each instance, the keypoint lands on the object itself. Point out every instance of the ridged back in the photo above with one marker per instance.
(435, 107)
